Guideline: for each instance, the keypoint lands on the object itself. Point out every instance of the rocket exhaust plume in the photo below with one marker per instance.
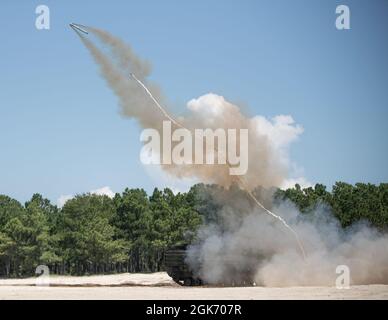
(234, 237)
(239, 179)
(267, 159)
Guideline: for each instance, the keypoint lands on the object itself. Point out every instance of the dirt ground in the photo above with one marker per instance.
(160, 286)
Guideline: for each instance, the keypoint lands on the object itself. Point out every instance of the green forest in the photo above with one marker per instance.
(94, 234)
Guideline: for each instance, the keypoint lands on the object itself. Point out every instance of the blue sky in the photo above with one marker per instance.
(60, 129)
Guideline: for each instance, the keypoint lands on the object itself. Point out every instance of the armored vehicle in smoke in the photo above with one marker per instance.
(236, 273)
(177, 268)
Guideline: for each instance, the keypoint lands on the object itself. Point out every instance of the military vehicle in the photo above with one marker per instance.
(177, 268)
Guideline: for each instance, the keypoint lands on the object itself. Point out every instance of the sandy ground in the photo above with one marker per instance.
(158, 286)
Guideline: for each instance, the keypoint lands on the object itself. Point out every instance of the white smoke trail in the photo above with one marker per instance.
(156, 102)
(299, 242)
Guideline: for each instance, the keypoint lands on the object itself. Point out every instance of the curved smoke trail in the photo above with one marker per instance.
(156, 102)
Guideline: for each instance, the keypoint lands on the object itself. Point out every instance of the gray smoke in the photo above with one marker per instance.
(116, 64)
(267, 158)
(242, 244)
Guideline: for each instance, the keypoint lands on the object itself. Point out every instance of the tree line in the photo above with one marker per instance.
(94, 234)
(348, 203)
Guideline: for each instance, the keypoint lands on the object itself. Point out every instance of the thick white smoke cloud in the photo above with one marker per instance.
(243, 244)
(269, 140)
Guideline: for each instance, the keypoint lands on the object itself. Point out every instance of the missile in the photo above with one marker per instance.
(77, 27)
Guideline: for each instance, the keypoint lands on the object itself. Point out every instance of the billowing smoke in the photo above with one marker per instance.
(240, 243)
(268, 140)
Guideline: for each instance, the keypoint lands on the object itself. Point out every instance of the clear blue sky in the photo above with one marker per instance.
(60, 130)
